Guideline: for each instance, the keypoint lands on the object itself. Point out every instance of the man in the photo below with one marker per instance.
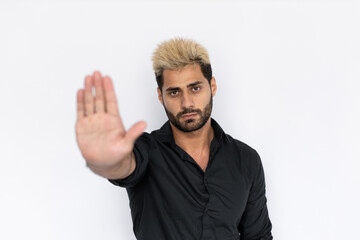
(187, 180)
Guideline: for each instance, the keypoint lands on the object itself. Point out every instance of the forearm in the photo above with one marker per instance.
(120, 170)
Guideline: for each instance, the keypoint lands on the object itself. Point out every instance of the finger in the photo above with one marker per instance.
(89, 99)
(111, 105)
(110, 97)
(80, 104)
(99, 93)
(135, 131)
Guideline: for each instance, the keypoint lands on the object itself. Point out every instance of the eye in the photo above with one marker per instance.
(196, 89)
(173, 93)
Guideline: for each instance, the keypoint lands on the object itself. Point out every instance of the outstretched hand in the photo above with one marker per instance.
(100, 134)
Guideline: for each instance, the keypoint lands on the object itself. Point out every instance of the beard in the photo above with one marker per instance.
(191, 125)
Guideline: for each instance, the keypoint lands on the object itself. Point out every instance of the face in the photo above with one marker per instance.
(187, 97)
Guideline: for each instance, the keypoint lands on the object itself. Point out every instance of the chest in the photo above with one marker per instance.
(201, 159)
(222, 189)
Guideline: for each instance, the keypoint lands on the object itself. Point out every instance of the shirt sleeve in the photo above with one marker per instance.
(255, 223)
(141, 150)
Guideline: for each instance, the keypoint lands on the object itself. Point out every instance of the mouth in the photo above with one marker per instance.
(188, 116)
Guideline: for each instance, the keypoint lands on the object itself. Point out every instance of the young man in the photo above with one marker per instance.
(187, 180)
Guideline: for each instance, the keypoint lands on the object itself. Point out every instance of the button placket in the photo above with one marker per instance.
(207, 189)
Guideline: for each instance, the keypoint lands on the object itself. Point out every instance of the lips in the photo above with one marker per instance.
(189, 115)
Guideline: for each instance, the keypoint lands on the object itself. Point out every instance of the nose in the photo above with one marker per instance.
(187, 101)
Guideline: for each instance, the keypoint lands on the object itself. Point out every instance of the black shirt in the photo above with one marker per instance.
(172, 198)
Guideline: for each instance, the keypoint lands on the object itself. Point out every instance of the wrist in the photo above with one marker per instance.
(112, 171)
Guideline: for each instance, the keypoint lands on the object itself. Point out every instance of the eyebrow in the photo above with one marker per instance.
(189, 85)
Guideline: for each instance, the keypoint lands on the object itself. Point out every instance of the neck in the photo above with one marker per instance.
(196, 140)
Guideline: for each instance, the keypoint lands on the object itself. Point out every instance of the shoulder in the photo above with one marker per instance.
(241, 146)
(152, 139)
(232, 144)
(145, 138)
(247, 155)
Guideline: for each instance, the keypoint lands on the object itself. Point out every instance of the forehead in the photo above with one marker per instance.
(182, 77)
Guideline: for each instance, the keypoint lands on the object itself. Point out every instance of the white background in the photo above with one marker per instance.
(288, 85)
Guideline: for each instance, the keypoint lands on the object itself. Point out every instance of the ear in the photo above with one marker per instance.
(213, 86)
(160, 96)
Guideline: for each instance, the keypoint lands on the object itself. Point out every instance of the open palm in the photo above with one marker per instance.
(100, 133)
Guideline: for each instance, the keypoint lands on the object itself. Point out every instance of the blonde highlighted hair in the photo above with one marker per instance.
(177, 53)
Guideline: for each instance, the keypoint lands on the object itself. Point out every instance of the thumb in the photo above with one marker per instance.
(135, 131)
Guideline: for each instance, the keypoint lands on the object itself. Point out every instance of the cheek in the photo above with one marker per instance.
(171, 105)
(205, 99)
